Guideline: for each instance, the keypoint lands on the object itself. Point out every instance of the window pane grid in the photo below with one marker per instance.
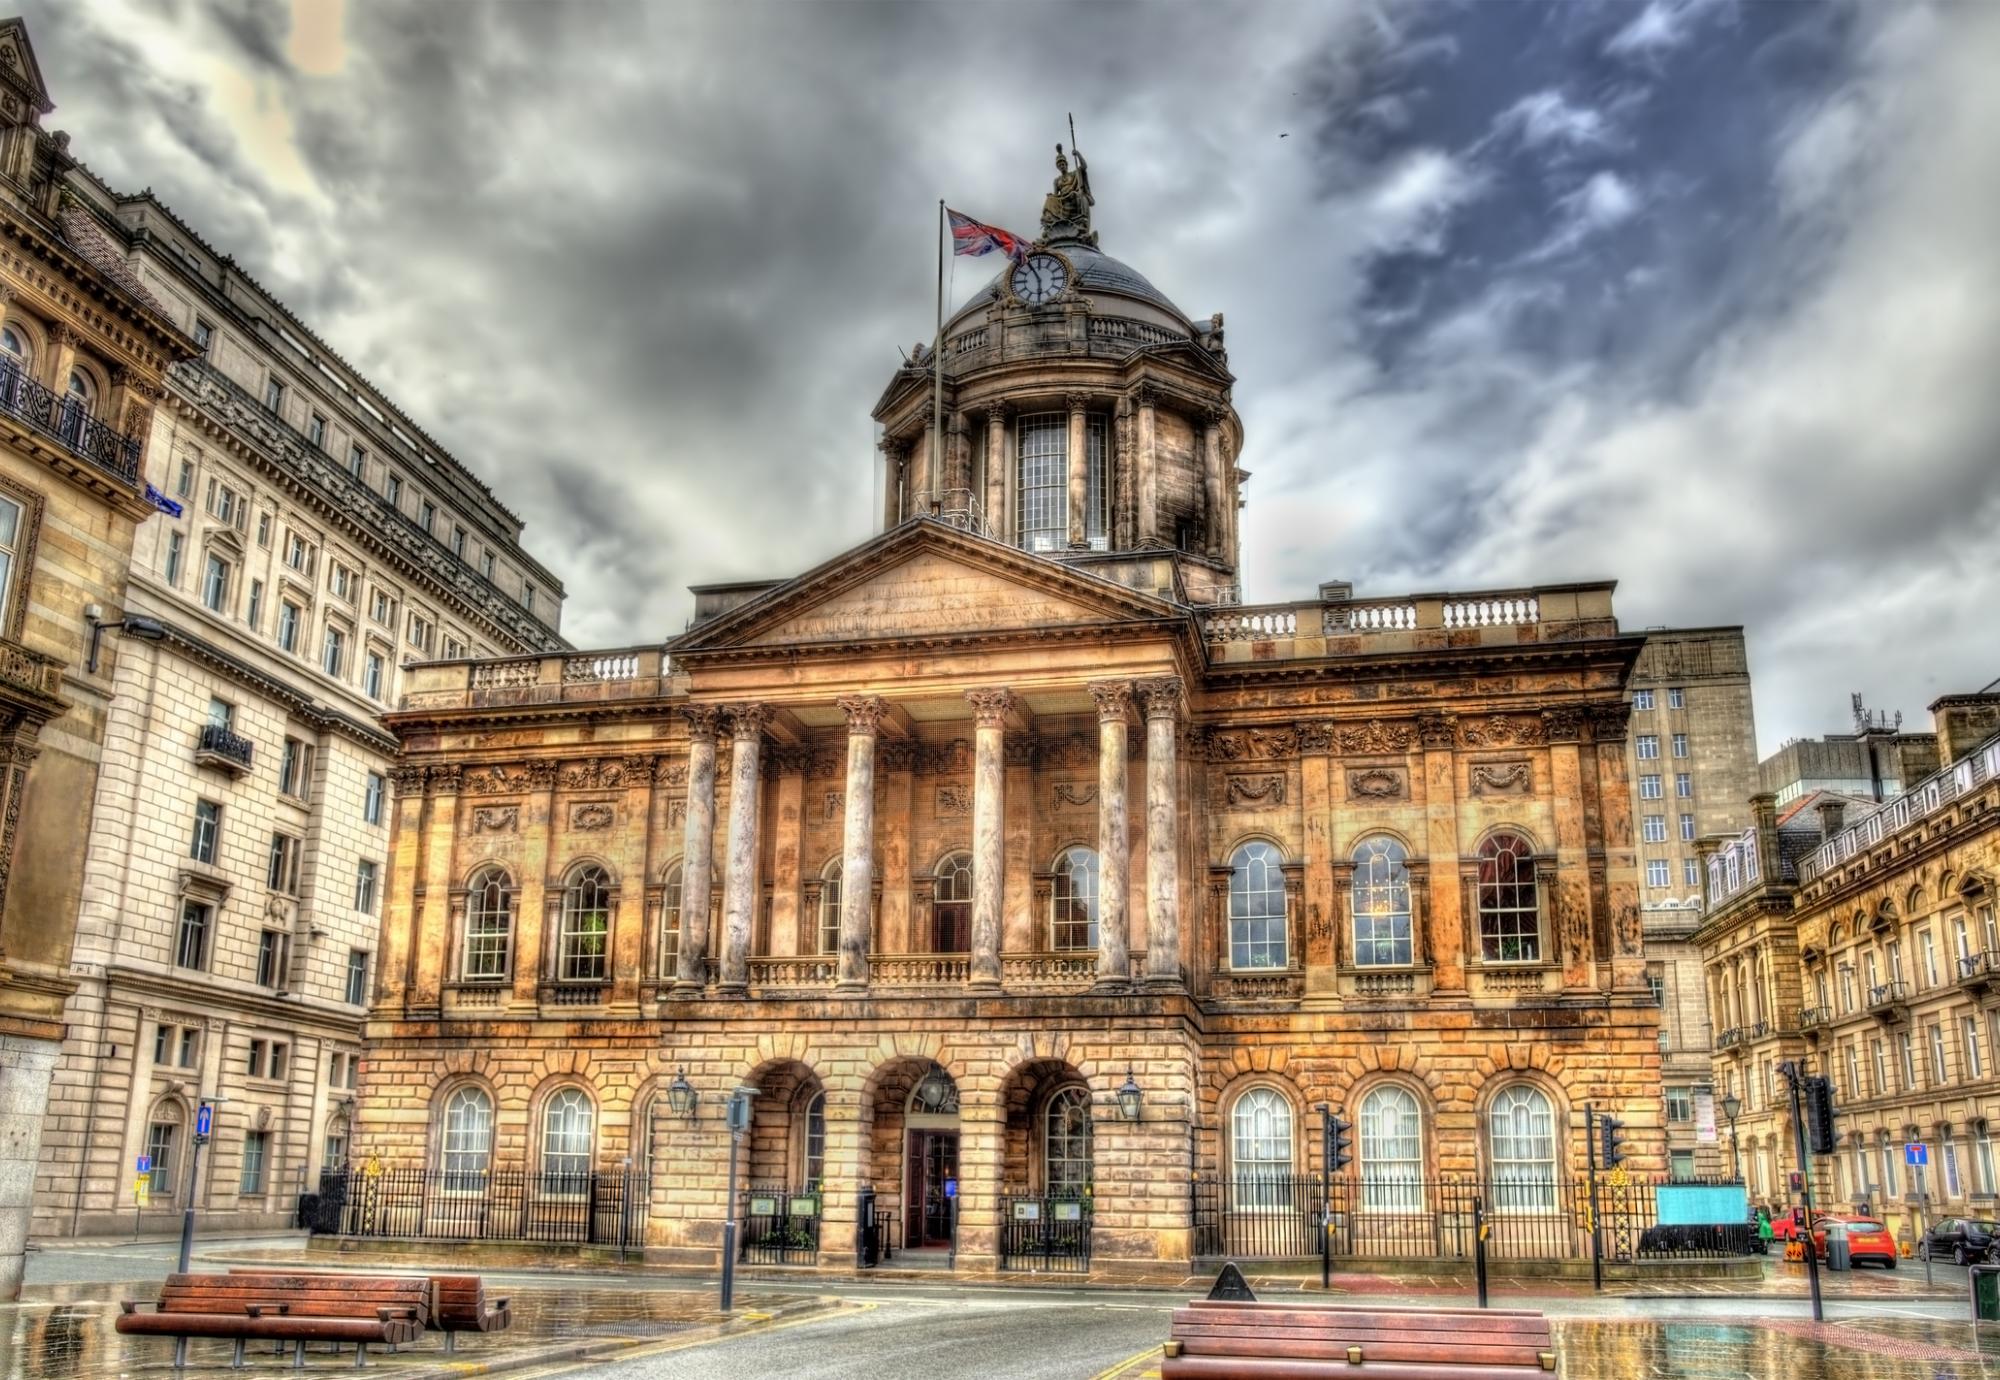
(1381, 900)
(1261, 1150)
(1392, 1152)
(566, 1139)
(1073, 901)
(1257, 936)
(1067, 1146)
(1509, 912)
(670, 924)
(1524, 1151)
(1043, 489)
(829, 911)
(582, 949)
(468, 1138)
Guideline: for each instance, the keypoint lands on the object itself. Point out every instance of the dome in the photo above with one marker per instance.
(1095, 272)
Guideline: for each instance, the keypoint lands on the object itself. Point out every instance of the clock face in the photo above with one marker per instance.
(1040, 278)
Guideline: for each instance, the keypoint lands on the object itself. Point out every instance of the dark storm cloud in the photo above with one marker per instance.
(1689, 293)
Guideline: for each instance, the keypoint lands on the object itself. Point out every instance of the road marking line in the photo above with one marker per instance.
(1124, 1367)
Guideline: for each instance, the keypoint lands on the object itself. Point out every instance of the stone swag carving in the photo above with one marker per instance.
(1264, 788)
(496, 819)
(954, 801)
(1074, 793)
(1375, 783)
(1500, 778)
(592, 815)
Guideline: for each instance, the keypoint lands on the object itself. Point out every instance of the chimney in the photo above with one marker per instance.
(1831, 813)
(1963, 722)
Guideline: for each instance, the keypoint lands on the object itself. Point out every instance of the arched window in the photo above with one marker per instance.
(1522, 1131)
(829, 908)
(163, 1143)
(79, 401)
(1260, 1145)
(1510, 929)
(466, 1143)
(566, 1130)
(1066, 1143)
(583, 950)
(1257, 932)
(815, 1138)
(670, 923)
(489, 926)
(1392, 1151)
(1382, 904)
(951, 908)
(14, 345)
(1073, 900)
(335, 1145)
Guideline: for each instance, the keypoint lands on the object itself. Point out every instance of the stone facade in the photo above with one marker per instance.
(82, 356)
(1694, 767)
(1866, 934)
(321, 540)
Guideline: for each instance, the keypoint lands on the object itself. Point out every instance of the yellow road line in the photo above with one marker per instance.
(1123, 1369)
(660, 1348)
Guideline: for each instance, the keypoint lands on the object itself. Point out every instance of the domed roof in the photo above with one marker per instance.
(1096, 271)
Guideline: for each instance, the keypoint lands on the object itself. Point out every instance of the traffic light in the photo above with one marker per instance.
(1819, 1115)
(1612, 1142)
(1339, 1143)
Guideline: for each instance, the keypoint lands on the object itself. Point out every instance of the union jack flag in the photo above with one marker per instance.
(969, 236)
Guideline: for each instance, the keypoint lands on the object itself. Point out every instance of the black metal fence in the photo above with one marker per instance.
(1049, 1235)
(1280, 1217)
(780, 1226)
(594, 1208)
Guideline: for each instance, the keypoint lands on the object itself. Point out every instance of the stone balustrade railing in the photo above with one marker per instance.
(919, 970)
(1076, 969)
(1913, 806)
(554, 678)
(1335, 627)
(1274, 984)
(800, 974)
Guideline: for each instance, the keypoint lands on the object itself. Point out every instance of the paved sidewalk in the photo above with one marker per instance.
(67, 1330)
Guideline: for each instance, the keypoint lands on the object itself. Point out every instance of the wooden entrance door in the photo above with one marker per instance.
(933, 1159)
(951, 927)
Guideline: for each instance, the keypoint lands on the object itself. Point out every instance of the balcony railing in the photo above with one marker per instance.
(217, 746)
(1918, 803)
(1811, 1018)
(1887, 997)
(66, 419)
(1258, 984)
(1979, 970)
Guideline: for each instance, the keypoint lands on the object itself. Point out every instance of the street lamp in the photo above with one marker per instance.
(1731, 1105)
(204, 1124)
(739, 1125)
(1129, 1097)
(145, 629)
(682, 1097)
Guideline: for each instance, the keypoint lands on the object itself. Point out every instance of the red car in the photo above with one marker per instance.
(1867, 1240)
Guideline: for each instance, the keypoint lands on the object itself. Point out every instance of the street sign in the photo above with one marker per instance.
(204, 1119)
(145, 1164)
(142, 1191)
(1916, 1152)
(951, 1188)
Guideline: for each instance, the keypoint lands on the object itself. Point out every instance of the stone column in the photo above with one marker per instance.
(1114, 709)
(1079, 472)
(996, 474)
(1149, 467)
(739, 884)
(894, 454)
(989, 856)
(1162, 699)
(857, 858)
(1216, 482)
(697, 850)
(928, 470)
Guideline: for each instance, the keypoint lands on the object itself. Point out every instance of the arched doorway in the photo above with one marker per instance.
(930, 1166)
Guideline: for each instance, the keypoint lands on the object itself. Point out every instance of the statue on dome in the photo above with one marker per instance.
(1066, 209)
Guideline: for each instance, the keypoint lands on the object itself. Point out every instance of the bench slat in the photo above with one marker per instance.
(1221, 1368)
(1279, 1340)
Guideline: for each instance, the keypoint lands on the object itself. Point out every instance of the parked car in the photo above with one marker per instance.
(1961, 1239)
(1867, 1239)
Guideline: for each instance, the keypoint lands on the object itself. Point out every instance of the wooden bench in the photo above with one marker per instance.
(1287, 1341)
(462, 1306)
(295, 1308)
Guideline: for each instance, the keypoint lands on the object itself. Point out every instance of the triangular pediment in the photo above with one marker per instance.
(922, 580)
(20, 75)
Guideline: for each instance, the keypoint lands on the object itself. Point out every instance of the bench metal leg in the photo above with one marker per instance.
(236, 1361)
(360, 1355)
(450, 1342)
(299, 1355)
(180, 1353)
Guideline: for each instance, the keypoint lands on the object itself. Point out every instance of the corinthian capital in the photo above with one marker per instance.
(1114, 700)
(747, 720)
(864, 712)
(1162, 696)
(702, 720)
(989, 707)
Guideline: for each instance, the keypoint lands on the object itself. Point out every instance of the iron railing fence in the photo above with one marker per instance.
(66, 418)
(1279, 1217)
(1047, 1234)
(780, 1225)
(589, 1207)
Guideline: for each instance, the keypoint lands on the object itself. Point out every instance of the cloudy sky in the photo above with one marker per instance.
(1700, 295)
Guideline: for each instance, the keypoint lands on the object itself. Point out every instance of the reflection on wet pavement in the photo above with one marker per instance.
(1870, 1349)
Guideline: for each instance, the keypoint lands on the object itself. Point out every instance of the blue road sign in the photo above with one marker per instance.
(1916, 1152)
(204, 1119)
(145, 1165)
(951, 1188)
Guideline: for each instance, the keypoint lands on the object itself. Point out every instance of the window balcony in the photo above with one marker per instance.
(218, 747)
(1976, 972)
(574, 993)
(1258, 984)
(1887, 1000)
(113, 452)
(1813, 1020)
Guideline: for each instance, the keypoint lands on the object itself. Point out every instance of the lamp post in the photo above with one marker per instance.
(739, 1125)
(204, 1122)
(1130, 1097)
(1731, 1105)
(145, 629)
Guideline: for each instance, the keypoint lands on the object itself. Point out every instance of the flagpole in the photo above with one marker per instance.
(936, 460)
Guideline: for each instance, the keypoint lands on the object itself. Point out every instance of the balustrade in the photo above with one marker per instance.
(1069, 971)
(505, 675)
(65, 419)
(1277, 984)
(1251, 624)
(1508, 981)
(1389, 984)
(1886, 996)
(1913, 806)
(1813, 1017)
(803, 974)
(920, 970)
(217, 746)
(1492, 611)
(593, 668)
(1377, 616)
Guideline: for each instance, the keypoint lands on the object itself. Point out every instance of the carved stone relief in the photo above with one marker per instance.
(592, 815)
(1263, 788)
(1501, 778)
(1074, 794)
(954, 801)
(496, 819)
(1377, 783)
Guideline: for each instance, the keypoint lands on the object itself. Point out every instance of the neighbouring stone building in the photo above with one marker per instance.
(1877, 760)
(313, 540)
(83, 348)
(1861, 937)
(1008, 854)
(1694, 767)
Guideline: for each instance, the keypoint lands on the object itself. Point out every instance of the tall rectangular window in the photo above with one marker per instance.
(1687, 828)
(1042, 505)
(1968, 1037)
(371, 798)
(176, 544)
(191, 939)
(274, 395)
(392, 489)
(1649, 788)
(1097, 485)
(207, 828)
(486, 565)
(203, 334)
(1937, 1056)
(1676, 697)
(256, 1145)
(295, 768)
(334, 649)
(1690, 872)
(364, 886)
(282, 872)
(316, 431)
(357, 462)
(458, 542)
(1657, 873)
(372, 668)
(1649, 746)
(1683, 785)
(1642, 699)
(271, 947)
(427, 514)
(357, 977)
(1653, 828)
(253, 612)
(160, 1138)
(288, 625)
(1680, 745)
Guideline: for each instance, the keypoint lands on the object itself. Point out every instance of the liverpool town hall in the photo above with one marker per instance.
(1042, 890)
